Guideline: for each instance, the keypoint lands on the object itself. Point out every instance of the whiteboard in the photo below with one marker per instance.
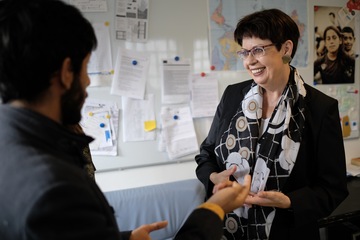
(176, 28)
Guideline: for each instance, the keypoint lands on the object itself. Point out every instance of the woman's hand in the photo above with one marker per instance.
(223, 176)
(269, 199)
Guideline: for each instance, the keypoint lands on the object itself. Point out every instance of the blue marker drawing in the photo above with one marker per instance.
(107, 135)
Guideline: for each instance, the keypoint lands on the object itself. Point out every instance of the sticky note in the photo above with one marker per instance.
(149, 125)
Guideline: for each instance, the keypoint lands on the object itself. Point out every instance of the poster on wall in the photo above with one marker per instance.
(131, 20)
(335, 55)
(223, 17)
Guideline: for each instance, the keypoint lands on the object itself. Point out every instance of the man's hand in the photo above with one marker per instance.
(143, 232)
(231, 195)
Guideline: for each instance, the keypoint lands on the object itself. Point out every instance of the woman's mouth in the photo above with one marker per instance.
(257, 71)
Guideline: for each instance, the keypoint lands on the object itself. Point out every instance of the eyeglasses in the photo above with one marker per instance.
(257, 51)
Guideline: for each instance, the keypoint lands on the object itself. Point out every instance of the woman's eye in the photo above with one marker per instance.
(257, 50)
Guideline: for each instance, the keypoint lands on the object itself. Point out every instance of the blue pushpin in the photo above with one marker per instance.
(102, 125)
(176, 117)
(134, 62)
(177, 58)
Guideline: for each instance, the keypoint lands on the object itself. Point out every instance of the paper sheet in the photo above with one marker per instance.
(100, 121)
(131, 71)
(138, 114)
(178, 131)
(175, 87)
(204, 95)
(90, 5)
(100, 68)
(132, 20)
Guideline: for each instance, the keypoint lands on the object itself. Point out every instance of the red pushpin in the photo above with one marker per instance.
(353, 91)
(212, 68)
(203, 74)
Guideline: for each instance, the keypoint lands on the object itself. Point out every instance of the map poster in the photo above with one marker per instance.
(223, 17)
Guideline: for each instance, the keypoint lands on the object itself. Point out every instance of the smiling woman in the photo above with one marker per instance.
(266, 127)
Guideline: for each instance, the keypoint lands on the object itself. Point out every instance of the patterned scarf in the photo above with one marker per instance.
(268, 158)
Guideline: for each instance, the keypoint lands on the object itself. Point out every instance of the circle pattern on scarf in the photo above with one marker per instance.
(231, 225)
(252, 106)
(244, 153)
(241, 124)
(230, 142)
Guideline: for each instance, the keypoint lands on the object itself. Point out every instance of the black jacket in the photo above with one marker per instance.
(45, 194)
(317, 184)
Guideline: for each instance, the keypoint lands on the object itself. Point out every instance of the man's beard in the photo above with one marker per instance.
(72, 102)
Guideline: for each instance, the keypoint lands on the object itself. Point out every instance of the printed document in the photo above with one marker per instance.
(178, 131)
(132, 20)
(204, 95)
(131, 71)
(100, 120)
(136, 114)
(175, 81)
(100, 66)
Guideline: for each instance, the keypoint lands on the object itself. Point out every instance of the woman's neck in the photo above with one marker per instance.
(332, 55)
(271, 96)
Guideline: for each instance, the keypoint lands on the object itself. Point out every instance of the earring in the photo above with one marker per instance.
(286, 59)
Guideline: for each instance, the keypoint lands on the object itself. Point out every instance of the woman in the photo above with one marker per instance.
(335, 66)
(280, 130)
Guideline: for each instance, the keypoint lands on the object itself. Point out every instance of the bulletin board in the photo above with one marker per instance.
(181, 29)
(175, 29)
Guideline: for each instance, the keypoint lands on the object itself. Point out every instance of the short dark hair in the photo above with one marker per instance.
(335, 29)
(35, 38)
(348, 29)
(272, 24)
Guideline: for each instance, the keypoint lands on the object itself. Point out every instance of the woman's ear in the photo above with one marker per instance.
(288, 47)
(66, 73)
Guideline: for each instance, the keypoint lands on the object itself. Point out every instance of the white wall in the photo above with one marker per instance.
(142, 176)
(137, 177)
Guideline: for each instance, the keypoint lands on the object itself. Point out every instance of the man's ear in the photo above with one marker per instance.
(66, 73)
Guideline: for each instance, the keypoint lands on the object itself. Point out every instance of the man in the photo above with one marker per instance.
(348, 41)
(45, 46)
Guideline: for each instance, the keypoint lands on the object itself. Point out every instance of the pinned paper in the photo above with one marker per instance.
(136, 123)
(100, 120)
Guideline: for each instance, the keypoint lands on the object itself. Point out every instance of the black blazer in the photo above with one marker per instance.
(317, 184)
